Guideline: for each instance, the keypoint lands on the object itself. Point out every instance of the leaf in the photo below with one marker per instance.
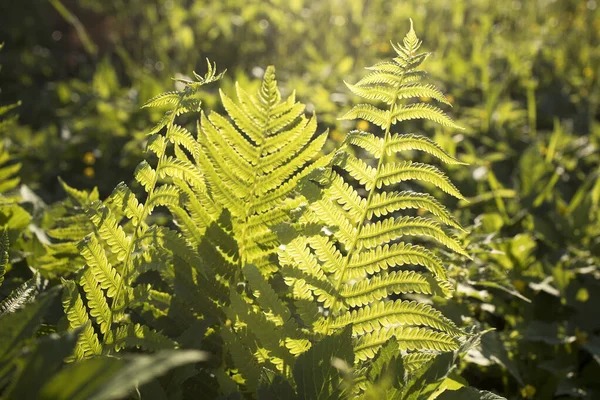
(104, 378)
(48, 356)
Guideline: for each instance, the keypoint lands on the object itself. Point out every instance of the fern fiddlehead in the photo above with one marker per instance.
(352, 266)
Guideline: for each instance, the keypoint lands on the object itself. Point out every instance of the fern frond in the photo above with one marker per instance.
(398, 254)
(124, 201)
(8, 179)
(175, 168)
(400, 143)
(88, 344)
(423, 111)
(358, 169)
(417, 90)
(414, 361)
(393, 173)
(368, 113)
(23, 294)
(376, 92)
(381, 232)
(145, 175)
(389, 202)
(367, 141)
(347, 197)
(352, 266)
(167, 98)
(180, 136)
(253, 164)
(105, 274)
(386, 314)
(382, 285)
(96, 301)
(409, 338)
(110, 231)
(327, 212)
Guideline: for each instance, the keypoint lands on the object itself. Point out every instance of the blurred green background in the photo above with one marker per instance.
(523, 77)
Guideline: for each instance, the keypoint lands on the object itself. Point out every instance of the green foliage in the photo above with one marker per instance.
(184, 253)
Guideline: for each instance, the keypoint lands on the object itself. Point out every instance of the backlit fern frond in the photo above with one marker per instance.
(116, 251)
(253, 162)
(361, 256)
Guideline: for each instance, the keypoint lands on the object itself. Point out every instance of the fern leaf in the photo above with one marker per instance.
(251, 170)
(145, 175)
(355, 263)
(110, 231)
(382, 77)
(347, 197)
(267, 297)
(23, 294)
(377, 92)
(417, 90)
(122, 199)
(397, 254)
(409, 338)
(105, 274)
(399, 143)
(423, 111)
(369, 113)
(386, 314)
(381, 232)
(243, 359)
(176, 168)
(394, 173)
(358, 169)
(182, 137)
(96, 301)
(382, 285)
(141, 337)
(389, 202)
(326, 212)
(367, 141)
(216, 124)
(414, 361)
(168, 98)
(88, 344)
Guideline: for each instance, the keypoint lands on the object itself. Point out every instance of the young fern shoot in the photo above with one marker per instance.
(361, 256)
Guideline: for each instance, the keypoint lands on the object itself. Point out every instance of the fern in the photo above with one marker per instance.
(360, 256)
(113, 260)
(253, 163)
